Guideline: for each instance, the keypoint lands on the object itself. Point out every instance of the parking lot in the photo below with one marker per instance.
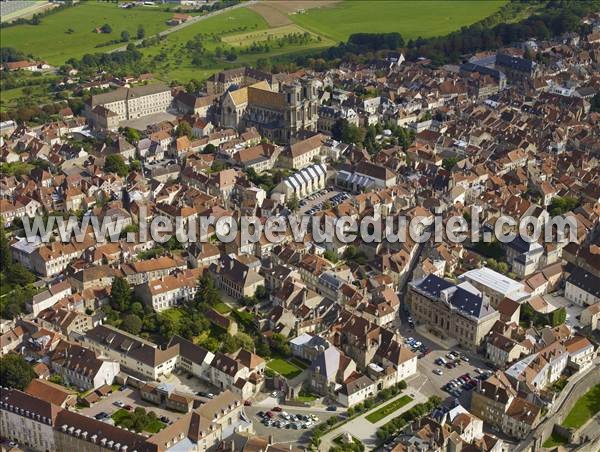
(286, 432)
(128, 396)
(434, 374)
(314, 202)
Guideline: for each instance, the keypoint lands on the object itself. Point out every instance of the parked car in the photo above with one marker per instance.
(277, 408)
(247, 403)
(128, 407)
(165, 419)
(119, 404)
(438, 371)
(331, 408)
(101, 415)
(208, 395)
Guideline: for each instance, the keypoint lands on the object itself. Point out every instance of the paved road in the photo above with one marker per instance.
(192, 21)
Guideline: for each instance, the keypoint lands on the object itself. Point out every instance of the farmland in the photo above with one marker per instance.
(409, 18)
(70, 33)
(235, 37)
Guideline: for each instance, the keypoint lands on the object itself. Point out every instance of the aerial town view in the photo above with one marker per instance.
(300, 225)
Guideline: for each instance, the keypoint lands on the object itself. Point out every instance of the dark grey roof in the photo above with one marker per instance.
(585, 281)
(433, 285)
(463, 300)
(517, 63)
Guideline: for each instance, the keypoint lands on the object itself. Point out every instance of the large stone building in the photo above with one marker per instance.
(237, 78)
(459, 312)
(129, 103)
(279, 116)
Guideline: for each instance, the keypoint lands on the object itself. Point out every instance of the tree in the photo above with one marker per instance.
(120, 294)
(15, 372)
(261, 292)
(293, 204)
(114, 163)
(141, 32)
(331, 256)
(124, 36)
(448, 163)
(595, 103)
(207, 294)
(106, 28)
(132, 323)
(132, 135)
(184, 129)
(280, 344)
(5, 256)
(560, 205)
(209, 149)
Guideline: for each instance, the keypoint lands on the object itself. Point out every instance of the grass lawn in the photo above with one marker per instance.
(51, 41)
(222, 308)
(586, 407)
(306, 397)
(175, 314)
(284, 368)
(554, 440)
(388, 409)
(122, 414)
(410, 18)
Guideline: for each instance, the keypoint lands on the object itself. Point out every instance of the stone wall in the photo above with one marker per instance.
(565, 401)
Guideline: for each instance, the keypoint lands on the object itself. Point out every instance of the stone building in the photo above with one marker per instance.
(128, 103)
(459, 312)
(279, 116)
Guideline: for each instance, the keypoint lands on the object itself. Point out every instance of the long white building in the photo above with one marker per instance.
(303, 183)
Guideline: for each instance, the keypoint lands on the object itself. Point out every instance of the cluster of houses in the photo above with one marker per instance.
(499, 135)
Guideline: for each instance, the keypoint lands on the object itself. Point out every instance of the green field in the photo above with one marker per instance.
(284, 368)
(411, 19)
(237, 29)
(51, 41)
(583, 410)
(69, 33)
(388, 409)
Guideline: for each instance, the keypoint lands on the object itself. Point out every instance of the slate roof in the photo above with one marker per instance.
(585, 281)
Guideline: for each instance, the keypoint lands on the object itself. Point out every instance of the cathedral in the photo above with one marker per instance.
(283, 116)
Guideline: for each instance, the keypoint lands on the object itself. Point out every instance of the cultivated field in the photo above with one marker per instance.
(410, 18)
(277, 13)
(70, 33)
